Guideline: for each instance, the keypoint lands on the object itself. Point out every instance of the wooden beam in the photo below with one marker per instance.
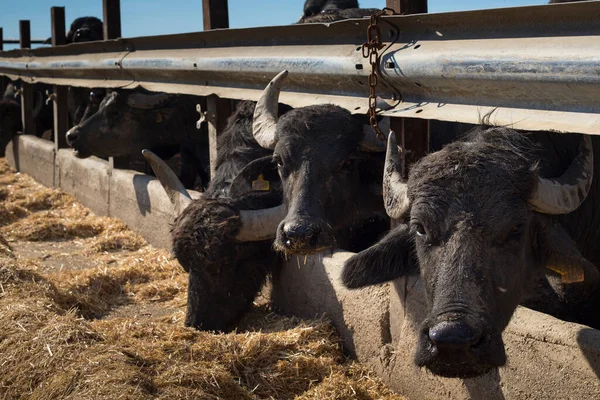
(27, 89)
(60, 102)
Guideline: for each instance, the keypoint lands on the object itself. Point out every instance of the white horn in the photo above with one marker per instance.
(395, 194)
(566, 193)
(266, 111)
(260, 225)
(175, 190)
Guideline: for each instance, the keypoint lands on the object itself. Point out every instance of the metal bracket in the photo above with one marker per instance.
(50, 97)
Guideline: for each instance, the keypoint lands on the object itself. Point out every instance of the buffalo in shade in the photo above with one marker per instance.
(323, 11)
(298, 182)
(491, 221)
(10, 114)
(128, 121)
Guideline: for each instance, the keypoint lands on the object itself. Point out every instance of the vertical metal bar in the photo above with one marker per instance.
(217, 111)
(27, 89)
(415, 131)
(412, 134)
(3, 80)
(111, 10)
(407, 6)
(216, 16)
(61, 111)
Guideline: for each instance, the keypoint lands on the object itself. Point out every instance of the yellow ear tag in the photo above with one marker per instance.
(260, 185)
(159, 118)
(568, 275)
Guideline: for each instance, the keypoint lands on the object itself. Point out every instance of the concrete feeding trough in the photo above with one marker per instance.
(547, 358)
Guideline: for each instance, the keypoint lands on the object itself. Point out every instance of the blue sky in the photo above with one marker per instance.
(144, 17)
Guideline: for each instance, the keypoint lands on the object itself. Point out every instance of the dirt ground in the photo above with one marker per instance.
(89, 310)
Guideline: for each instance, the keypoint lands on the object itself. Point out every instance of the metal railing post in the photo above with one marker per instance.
(27, 89)
(60, 102)
(414, 131)
(111, 11)
(216, 16)
(3, 79)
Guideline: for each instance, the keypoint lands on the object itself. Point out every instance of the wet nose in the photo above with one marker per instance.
(452, 335)
(72, 136)
(300, 234)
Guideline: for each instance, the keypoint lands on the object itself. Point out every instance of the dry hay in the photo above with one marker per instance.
(115, 329)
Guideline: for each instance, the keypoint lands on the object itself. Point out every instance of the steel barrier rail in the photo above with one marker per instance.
(538, 66)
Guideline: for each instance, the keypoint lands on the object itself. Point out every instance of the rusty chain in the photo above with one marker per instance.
(370, 50)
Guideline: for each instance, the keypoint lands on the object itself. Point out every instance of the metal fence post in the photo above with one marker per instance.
(216, 16)
(111, 11)
(27, 89)
(61, 111)
(415, 131)
(3, 79)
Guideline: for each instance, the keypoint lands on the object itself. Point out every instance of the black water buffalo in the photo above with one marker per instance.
(485, 219)
(312, 182)
(10, 114)
(333, 10)
(85, 29)
(129, 121)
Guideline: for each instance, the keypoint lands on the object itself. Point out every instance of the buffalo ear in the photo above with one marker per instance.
(391, 258)
(559, 253)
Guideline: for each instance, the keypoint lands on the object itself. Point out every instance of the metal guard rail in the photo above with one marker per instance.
(538, 67)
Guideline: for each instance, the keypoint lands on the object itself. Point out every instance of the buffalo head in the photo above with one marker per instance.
(124, 124)
(325, 159)
(476, 221)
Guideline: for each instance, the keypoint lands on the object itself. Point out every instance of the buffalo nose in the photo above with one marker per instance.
(452, 334)
(300, 234)
(72, 136)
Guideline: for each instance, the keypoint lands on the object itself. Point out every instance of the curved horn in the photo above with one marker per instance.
(265, 113)
(148, 101)
(395, 196)
(38, 105)
(370, 142)
(260, 225)
(566, 193)
(169, 181)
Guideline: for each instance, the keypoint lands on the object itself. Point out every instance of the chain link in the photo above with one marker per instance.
(370, 50)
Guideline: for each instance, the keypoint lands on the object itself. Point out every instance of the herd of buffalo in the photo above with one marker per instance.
(493, 219)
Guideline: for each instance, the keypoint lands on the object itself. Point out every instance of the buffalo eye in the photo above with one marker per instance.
(277, 160)
(419, 229)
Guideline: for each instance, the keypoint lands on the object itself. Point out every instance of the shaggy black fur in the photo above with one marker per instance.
(319, 147)
(480, 248)
(225, 275)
